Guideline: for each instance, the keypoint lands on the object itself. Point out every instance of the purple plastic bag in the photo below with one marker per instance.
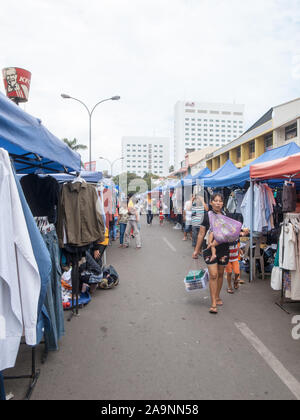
(224, 228)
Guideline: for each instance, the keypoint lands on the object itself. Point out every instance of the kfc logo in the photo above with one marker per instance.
(17, 83)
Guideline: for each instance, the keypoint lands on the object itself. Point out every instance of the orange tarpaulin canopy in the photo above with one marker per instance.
(277, 169)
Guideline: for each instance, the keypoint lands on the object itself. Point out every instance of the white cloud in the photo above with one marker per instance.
(151, 53)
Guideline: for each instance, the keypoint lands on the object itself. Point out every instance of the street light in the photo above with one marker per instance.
(113, 98)
(111, 163)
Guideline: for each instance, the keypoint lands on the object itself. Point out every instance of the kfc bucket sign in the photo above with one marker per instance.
(17, 83)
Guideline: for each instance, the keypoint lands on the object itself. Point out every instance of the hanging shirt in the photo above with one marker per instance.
(79, 215)
(20, 281)
(42, 195)
(287, 243)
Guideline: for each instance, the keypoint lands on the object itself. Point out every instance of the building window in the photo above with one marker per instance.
(238, 154)
(252, 149)
(268, 139)
(291, 131)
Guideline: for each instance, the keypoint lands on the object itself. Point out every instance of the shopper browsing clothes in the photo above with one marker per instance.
(216, 266)
(133, 220)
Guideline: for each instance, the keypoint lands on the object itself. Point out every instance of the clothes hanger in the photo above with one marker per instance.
(78, 178)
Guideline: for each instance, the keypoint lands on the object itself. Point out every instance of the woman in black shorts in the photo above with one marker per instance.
(217, 265)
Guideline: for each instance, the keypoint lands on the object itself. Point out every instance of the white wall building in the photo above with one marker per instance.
(146, 154)
(198, 125)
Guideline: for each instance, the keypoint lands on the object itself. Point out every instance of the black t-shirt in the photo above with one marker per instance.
(42, 195)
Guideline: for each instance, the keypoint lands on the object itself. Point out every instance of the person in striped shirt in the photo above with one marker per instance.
(198, 210)
(233, 265)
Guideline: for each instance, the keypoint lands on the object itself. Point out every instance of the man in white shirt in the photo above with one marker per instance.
(187, 218)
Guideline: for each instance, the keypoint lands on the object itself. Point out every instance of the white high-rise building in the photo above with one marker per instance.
(199, 125)
(146, 154)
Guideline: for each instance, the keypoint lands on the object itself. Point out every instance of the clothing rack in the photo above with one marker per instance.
(31, 162)
(35, 373)
(283, 300)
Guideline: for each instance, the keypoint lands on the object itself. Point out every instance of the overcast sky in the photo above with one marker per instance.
(152, 53)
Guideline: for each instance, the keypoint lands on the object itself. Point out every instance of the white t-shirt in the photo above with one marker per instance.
(188, 211)
(287, 257)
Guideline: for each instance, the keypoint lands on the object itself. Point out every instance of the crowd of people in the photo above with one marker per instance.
(196, 223)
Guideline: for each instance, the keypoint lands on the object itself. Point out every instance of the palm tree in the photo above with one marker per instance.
(74, 145)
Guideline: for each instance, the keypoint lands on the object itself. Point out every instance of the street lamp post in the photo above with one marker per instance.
(113, 98)
(111, 163)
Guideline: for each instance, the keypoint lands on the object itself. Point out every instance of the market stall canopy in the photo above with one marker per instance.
(227, 169)
(30, 144)
(108, 183)
(204, 172)
(187, 180)
(88, 176)
(170, 185)
(277, 169)
(242, 175)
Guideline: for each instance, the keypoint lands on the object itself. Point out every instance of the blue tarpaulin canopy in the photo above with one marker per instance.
(228, 169)
(88, 176)
(242, 175)
(30, 144)
(204, 172)
(187, 180)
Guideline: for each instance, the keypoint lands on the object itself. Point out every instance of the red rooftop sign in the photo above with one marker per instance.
(17, 83)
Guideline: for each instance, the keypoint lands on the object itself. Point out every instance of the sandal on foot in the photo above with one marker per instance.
(236, 285)
(219, 302)
(213, 310)
(230, 291)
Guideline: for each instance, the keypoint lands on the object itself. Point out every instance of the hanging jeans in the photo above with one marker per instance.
(2, 390)
(122, 232)
(53, 301)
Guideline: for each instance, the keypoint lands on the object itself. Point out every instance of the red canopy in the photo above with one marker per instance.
(277, 169)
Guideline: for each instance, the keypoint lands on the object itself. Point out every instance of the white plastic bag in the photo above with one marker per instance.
(201, 284)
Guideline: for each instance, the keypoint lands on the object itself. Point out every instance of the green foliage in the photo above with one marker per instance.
(74, 145)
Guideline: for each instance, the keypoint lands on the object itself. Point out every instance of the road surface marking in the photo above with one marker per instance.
(169, 244)
(287, 378)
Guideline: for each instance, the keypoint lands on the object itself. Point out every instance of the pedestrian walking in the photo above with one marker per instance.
(149, 210)
(133, 219)
(216, 266)
(187, 218)
(122, 221)
(233, 266)
(198, 209)
(161, 214)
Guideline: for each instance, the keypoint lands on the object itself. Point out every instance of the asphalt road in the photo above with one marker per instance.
(150, 339)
